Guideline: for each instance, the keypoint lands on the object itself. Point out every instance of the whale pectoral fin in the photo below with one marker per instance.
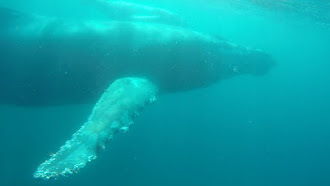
(115, 111)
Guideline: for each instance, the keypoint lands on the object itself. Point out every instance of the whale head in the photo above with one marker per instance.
(244, 61)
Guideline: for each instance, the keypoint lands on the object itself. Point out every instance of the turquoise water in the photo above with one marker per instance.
(270, 130)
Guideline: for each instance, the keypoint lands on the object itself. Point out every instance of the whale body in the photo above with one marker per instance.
(121, 66)
(47, 61)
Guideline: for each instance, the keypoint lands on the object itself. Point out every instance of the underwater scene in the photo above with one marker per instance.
(155, 93)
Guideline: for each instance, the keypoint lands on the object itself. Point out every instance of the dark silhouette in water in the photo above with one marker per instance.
(47, 61)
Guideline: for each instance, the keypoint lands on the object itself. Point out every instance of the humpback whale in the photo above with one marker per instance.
(122, 66)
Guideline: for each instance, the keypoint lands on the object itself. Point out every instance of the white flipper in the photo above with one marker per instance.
(115, 111)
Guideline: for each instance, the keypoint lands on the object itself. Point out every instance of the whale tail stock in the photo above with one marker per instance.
(115, 111)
